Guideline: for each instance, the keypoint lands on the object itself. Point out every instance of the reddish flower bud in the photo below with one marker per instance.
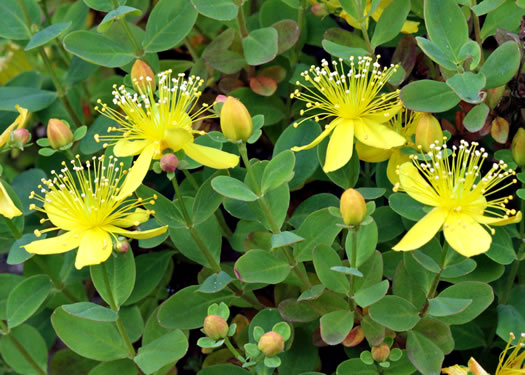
(169, 162)
(380, 352)
(123, 246)
(355, 337)
(271, 343)
(20, 137)
(215, 327)
(428, 132)
(236, 122)
(320, 10)
(142, 76)
(58, 133)
(352, 207)
(518, 147)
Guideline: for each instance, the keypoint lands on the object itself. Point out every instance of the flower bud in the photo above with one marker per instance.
(380, 352)
(20, 137)
(352, 207)
(123, 246)
(236, 122)
(58, 133)
(271, 343)
(355, 337)
(518, 147)
(215, 327)
(320, 10)
(428, 132)
(169, 162)
(142, 76)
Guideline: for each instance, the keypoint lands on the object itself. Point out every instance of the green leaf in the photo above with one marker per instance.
(325, 258)
(507, 16)
(446, 26)
(259, 266)
(390, 22)
(223, 370)
(285, 239)
(443, 306)
(215, 283)
(272, 362)
(25, 299)
(91, 339)
(433, 51)
(374, 332)
(232, 188)
(167, 349)
(480, 293)
(426, 356)
(207, 200)
(510, 319)
(501, 250)
(118, 13)
(343, 52)
(475, 119)
(30, 98)
(356, 367)
(347, 271)
(288, 34)
(407, 206)
(260, 46)
(102, 5)
(187, 308)
(17, 254)
(120, 278)
(222, 10)
(13, 24)
(468, 86)
(336, 325)
(367, 296)
(345, 177)
(293, 311)
(278, 171)
(91, 311)
(367, 237)
(121, 366)
(150, 271)
(48, 34)
(486, 6)
(371, 192)
(33, 344)
(353, 8)
(313, 293)
(471, 50)
(169, 22)
(388, 224)
(395, 313)
(501, 65)
(428, 96)
(438, 332)
(97, 49)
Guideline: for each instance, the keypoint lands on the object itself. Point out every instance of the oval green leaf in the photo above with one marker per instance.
(25, 299)
(428, 96)
(259, 266)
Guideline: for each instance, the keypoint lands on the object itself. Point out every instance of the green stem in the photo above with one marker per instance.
(22, 350)
(300, 23)
(435, 282)
(125, 27)
(234, 351)
(353, 262)
(241, 22)
(191, 50)
(12, 227)
(477, 33)
(125, 337)
(364, 31)
(58, 284)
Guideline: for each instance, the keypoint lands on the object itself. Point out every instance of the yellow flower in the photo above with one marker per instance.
(85, 204)
(7, 207)
(149, 126)
(403, 123)
(512, 365)
(18, 123)
(354, 100)
(460, 195)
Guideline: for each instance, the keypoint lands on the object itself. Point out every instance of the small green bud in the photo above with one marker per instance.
(58, 133)
(215, 327)
(380, 352)
(271, 343)
(428, 132)
(236, 122)
(142, 76)
(352, 207)
(518, 147)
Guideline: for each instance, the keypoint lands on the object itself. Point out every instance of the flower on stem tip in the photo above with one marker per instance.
(354, 99)
(149, 126)
(85, 203)
(460, 195)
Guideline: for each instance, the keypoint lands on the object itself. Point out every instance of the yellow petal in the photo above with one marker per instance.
(466, 235)
(376, 135)
(371, 154)
(211, 157)
(340, 147)
(7, 207)
(134, 218)
(177, 138)
(55, 245)
(475, 368)
(18, 123)
(95, 248)
(423, 231)
(137, 173)
(416, 186)
(328, 129)
(455, 370)
(138, 234)
(55, 211)
(497, 221)
(383, 116)
(410, 27)
(396, 159)
(129, 148)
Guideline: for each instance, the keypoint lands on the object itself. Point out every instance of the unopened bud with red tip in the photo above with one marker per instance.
(428, 132)
(58, 133)
(380, 352)
(169, 162)
(355, 337)
(236, 122)
(352, 207)
(123, 246)
(271, 343)
(518, 147)
(20, 137)
(320, 10)
(142, 76)
(215, 327)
